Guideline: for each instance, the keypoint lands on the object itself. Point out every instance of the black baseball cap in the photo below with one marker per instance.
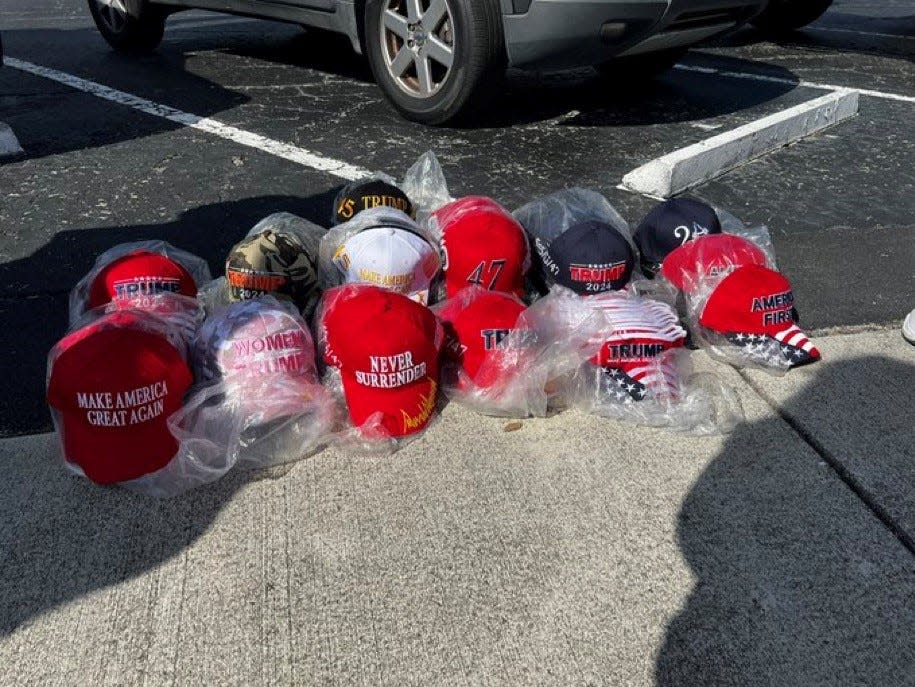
(588, 257)
(669, 225)
(368, 194)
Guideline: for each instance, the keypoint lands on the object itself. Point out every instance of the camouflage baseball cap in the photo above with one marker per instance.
(272, 261)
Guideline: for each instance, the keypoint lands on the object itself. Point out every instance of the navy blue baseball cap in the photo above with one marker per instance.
(588, 257)
(670, 225)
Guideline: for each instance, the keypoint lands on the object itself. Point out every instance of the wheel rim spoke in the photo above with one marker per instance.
(424, 73)
(402, 61)
(434, 15)
(440, 52)
(396, 24)
(414, 10)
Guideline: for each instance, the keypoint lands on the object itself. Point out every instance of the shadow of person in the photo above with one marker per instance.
(797, 581)
(34, 290)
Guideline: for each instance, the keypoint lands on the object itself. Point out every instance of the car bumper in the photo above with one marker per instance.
(559, 34)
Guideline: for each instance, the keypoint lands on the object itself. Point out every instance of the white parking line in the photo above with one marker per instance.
(830, 29)
(807, 84)
(286, 151)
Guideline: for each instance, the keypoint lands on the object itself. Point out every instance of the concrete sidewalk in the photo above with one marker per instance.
(573, 551)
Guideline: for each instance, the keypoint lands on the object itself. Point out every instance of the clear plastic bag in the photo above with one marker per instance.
(631, 364)
(425, 185)
(388, 348)
(494, 362)
(288, 252)
(551, 215)
(334, 263)
(89, 292)
(546, 219)
(746, 318)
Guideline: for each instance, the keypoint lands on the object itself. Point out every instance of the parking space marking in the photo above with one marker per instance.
(286, 151)
(830, 29)
(705, 160)
(807, 84)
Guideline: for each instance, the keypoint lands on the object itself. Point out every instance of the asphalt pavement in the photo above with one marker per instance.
(573, 551)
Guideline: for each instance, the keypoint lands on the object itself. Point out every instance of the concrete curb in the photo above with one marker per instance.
(9, 144)
(710, 158)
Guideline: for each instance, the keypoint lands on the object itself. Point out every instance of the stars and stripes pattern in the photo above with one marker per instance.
(789, 346)
(658, 381)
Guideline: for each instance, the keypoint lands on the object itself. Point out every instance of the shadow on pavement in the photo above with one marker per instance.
(31, 325)
(37, 108)
(845, 33)
(81, 538)
(796, 581)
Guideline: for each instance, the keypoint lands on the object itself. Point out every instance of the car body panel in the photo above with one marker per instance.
(548, 34)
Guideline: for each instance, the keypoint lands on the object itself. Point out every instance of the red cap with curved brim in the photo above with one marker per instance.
(138, 274)
(753, 304)
(481, 326)
(113, 385)
(713, 255)
(387, 349)
(483, 245)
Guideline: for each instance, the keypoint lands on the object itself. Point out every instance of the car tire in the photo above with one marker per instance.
(403, 56)
(783, 16)
(638, 69)
(129, 26)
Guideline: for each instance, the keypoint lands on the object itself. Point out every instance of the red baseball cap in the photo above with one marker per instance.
(387, 349)
(713, 255)
(479, 323)
(754, 305)
(484, 245)
(112, 386)
(138, 274)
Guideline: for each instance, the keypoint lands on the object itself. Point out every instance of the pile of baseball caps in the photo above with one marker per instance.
(358, 334)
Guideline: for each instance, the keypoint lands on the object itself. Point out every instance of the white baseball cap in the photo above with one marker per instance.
(392, 258)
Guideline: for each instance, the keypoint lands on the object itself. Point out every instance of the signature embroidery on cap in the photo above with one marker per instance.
(426, 407)
(545, 257)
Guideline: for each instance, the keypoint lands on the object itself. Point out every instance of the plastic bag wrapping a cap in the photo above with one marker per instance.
(255, 411)
(81, 297)
(384, 422)
(183, 313)
(330, 273)
(425, 185)
(295, 258)
(263, 353)
(677, 398)
(656, 387)
(498, 368)
(761, 320)
(551, 215)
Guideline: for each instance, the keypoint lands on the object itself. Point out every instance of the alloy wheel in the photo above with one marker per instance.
(418, 43)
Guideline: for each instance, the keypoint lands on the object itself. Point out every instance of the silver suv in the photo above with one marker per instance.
(440, 60)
